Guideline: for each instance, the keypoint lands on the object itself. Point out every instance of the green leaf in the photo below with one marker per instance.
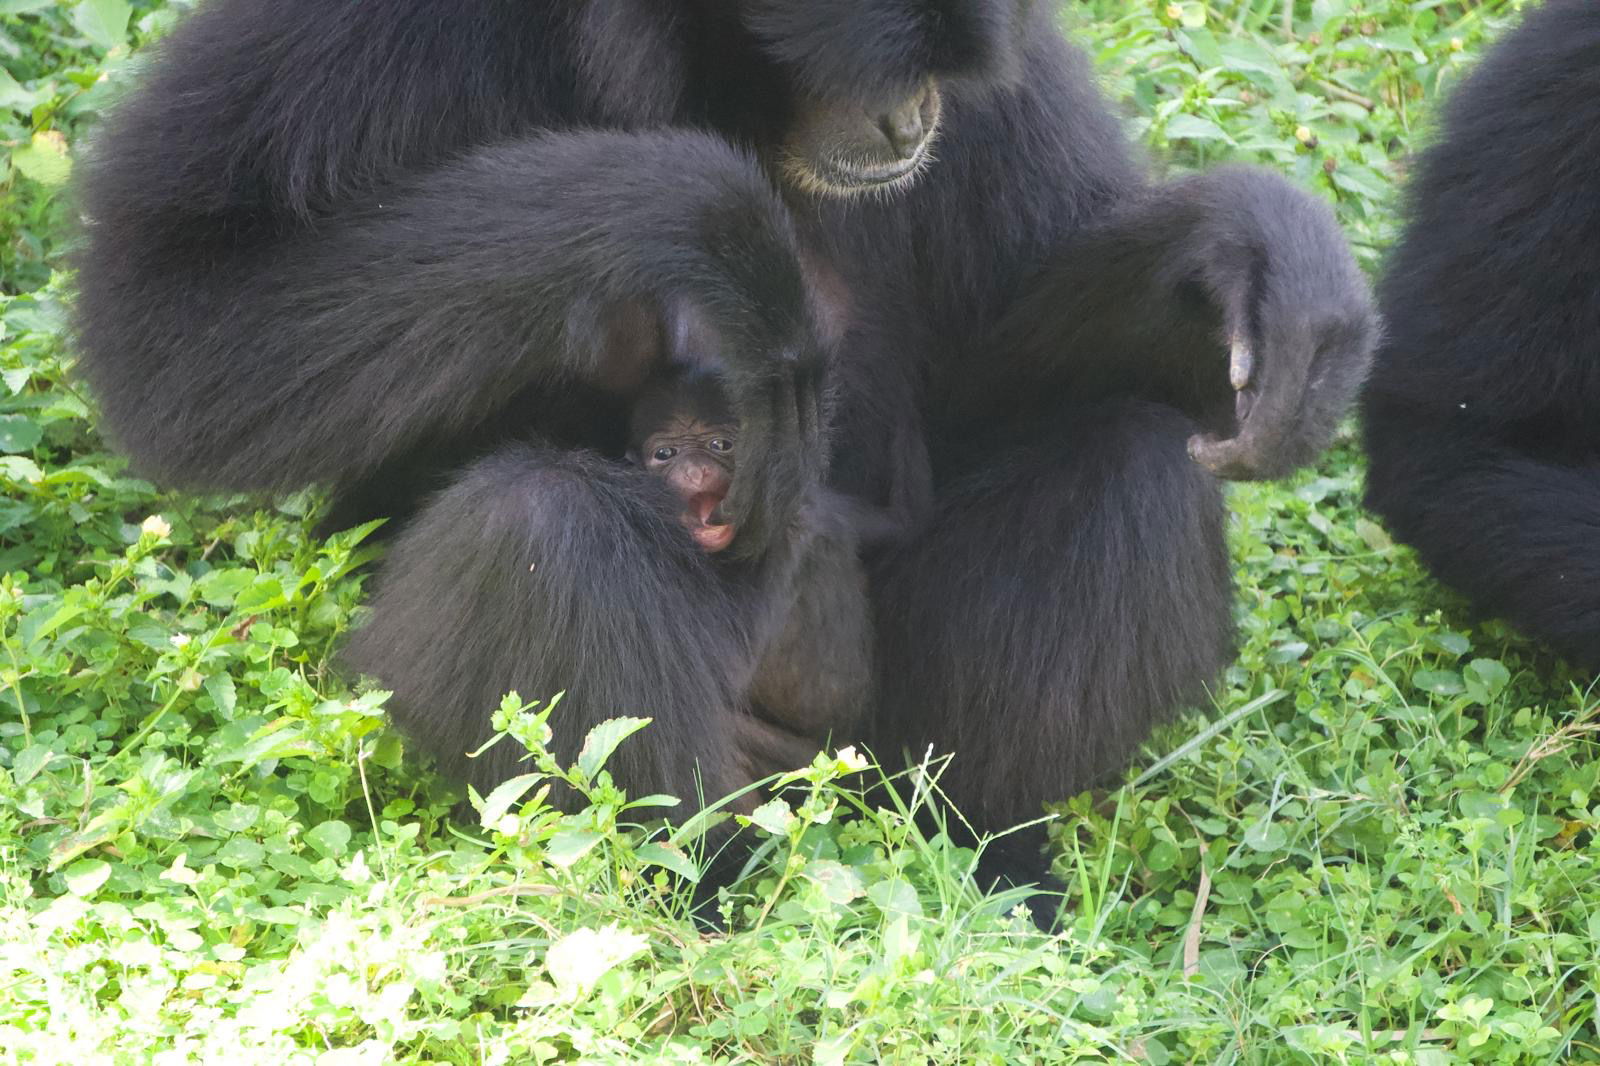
(669, 858)
(14, 514)
(1360, 180)
(238, 817)
(900, 941)
(1266, 836)
(1486, 805)
(221, 689)
(1398, 39)
(655, 800)
(18, 433)
(264, 594)
(774, 816)
(1288, 652)
(86, 877)
(498, 802)
(1184, 127)
(104, 22)
(895, 898)
(841, 884)
(1439, 682)
(1200, 44)
(221, 587)
(1162, 856)
(21, 469)
(44, 159)
(241, 853)
(603, 740)
(570, 845)
(1373, 535)
(60, 617)
(331, 839)
(1245, 55)
(1450, 643)
(280, 740)
(1485, 679)
(29, 762)
(13, 96)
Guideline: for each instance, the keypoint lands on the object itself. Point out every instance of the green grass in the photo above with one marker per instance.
(1379, 846)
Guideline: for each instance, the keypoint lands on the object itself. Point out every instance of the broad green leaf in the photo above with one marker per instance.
(895, 898)
(104, 22)
(841, 884)
(241, 853)
(570, 845)
(1266, 835)
(238, 817)
(498, 802)
(18, 433)
(1485, 679)
(29, 762)
(221, 689)
(1185, 127)
(264, 594)
(1245, 54)
(1439, 682)
(86, 877)
(1374, 535)
(331, 838)
(13, 96)
(669, 858)
(44, 159)
(602, 740)
(221, 587)
(774, 816)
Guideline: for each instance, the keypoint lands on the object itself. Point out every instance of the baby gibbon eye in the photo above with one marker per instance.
(721, 444)
(664, 454)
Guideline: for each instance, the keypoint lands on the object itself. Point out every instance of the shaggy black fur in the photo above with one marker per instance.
(350, 243)
(1483, 416)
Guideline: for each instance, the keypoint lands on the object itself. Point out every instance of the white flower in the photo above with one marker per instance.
(851, 759)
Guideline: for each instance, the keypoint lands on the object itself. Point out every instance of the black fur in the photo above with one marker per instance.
(1483, 415)
(349, 243)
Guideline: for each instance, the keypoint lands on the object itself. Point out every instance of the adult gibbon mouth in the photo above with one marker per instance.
(841, 149)
(843, 177)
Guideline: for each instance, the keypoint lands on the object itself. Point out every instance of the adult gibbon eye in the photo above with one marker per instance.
(664, 454)
(721, 444)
